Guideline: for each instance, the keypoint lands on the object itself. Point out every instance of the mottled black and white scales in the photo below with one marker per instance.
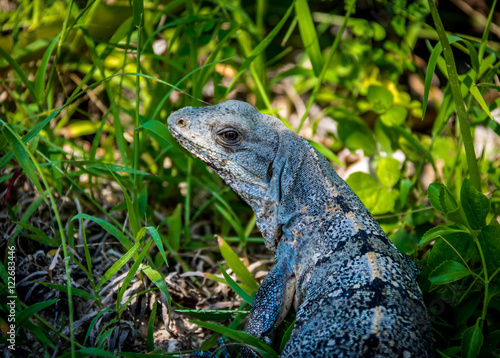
(354, 292)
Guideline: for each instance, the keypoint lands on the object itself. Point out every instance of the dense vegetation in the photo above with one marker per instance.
(108, 225)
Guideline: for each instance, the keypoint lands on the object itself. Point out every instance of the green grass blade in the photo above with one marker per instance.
(131, 274)
(258, 49)
(110, 228)
(238, 336)
(238, 267)
(21, 152)
(13, 63)
(75, 291)
(41, 72)
(158, 280)
(309, 35)
(150, 342)
(26, 313)
(236, 288)
(118, 265)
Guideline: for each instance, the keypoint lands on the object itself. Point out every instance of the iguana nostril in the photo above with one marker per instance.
(181, 122)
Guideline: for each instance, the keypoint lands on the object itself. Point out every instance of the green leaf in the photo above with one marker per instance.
(309, 35)
(441, 198)
(74, 291)
(354, 132)
(118, 265)
(138, 10)
(131, 273)
(238, 267)
(489, 239)
(326, 152)
(394, 116)
(157, 239)
(475, 205)
(110, 228)
(22, 316)
(439, 231)
(208, 315)
(236, 288)
(404, 189)
(41, 237)
(472, 341)
(150, 343)
(377, 199)
(238, 336)
(158, 280)
(380, 98)
(388, 172)
(448, 271)
(174, 228)
(41, 72)
(457, 246)
(22, 155)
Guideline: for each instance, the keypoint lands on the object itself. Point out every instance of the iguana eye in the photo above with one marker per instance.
(230, 136)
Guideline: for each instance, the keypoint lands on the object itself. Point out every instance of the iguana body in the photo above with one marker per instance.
(354, 294)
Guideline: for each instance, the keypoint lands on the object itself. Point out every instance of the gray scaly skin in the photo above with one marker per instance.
(353, 291)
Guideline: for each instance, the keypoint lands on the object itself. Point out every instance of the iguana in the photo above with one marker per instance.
(354, 293)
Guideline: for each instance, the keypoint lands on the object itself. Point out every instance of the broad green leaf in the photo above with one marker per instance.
(457, 246)
(160, 132)
(472, 341)
(448, 271)
(377, 199)
(238, 267)
(394, 116)
(354, 132)
(118, 265)
(489, 239)
(309, 35)
(475, 205)
(439, 231)
(236, 288)
(388, 172)
(380, 98)
(441, 198)
(238, 336)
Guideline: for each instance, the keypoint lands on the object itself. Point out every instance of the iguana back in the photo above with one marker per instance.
(354, 293)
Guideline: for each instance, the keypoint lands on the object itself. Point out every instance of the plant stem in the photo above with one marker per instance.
(457, 97)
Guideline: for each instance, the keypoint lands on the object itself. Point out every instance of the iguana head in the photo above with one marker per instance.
(234, 139)
(242, 146)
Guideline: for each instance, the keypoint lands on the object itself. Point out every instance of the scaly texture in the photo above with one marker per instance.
(354, 293)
